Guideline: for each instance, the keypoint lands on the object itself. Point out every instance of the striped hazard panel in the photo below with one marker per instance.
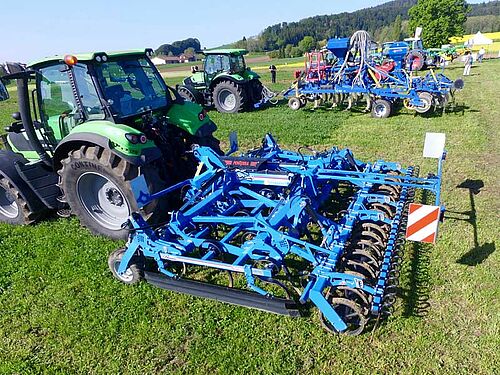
(423, 223)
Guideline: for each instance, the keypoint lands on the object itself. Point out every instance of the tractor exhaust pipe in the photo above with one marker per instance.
(25, 111)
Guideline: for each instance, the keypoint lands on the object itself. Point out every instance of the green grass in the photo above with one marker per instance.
(62, 312)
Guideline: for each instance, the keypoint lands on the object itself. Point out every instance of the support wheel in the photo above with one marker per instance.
(294, 103)
(13, 207)
(426, 99)
(229, 97)
(381, 108)
(132, 275)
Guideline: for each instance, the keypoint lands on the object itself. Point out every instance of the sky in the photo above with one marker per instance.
(33, 29)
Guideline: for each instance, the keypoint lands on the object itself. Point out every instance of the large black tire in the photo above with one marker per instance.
(96, 185)
(416, 59)
(381, 108)
(228, 97)
(13, 207)
(186, 94)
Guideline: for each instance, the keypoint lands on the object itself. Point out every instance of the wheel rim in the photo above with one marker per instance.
(127, 276)
(8, 204)
(227, 100)
(295, 104)
(103, 200)
(380, 110)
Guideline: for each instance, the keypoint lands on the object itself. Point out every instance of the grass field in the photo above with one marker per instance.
(62, 312)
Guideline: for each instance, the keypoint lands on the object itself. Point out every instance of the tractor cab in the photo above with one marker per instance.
(87, 124)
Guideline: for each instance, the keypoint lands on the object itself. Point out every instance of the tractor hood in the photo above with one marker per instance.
(188, 116)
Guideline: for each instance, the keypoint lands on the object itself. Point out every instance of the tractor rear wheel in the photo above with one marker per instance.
(13, 207)
(381, 108)
(228, 97)
(96, 185)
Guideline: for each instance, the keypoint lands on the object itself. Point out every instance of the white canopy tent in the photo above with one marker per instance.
(478, 40)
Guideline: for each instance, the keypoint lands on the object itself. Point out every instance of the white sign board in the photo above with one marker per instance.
(434, 145)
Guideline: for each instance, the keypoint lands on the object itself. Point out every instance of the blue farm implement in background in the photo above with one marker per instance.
(285, 228)
(348, 69)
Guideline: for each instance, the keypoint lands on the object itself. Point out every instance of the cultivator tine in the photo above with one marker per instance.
(271, 223)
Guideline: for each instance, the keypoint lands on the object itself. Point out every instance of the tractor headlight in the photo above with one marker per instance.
(202, 115)
(136, 138)
(98, 59)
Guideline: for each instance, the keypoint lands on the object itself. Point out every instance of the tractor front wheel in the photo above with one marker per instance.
(96, 185)
(228, 97)
(13, 207)
(186, 94)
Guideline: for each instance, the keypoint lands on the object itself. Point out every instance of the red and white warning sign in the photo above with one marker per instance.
(423, 223)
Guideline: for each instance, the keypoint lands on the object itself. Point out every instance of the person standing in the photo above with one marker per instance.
(480, 55)
(273, 69)
(467, 63)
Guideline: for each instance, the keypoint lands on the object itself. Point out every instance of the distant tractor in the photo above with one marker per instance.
(225, 82)
(87, 125)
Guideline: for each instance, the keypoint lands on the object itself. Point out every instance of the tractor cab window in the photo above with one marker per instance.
(131, 86)
(58, 104)
(56, 92)
(217, 63)
(237, 63)
(87, 93)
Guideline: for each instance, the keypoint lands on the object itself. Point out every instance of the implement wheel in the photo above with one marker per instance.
(426, 99)
(294, 103)
(381, 108)
(229, 97)
(132, 275)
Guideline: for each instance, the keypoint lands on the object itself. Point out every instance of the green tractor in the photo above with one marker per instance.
(88, 125)
(225, 82)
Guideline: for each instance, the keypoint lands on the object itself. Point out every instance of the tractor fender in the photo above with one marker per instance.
(8, 161)
(75, 140)
(236, 78)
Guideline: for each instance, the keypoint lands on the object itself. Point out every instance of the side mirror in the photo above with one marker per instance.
(233, 143)
(16, 116)
(4, 94)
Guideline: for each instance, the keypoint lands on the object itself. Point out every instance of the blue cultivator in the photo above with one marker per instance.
(348, 70)
(323, 228)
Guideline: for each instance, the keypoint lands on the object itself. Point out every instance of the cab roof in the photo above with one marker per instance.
(90, 56)
(226, 51)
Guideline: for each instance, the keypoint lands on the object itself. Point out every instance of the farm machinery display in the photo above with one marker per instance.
(348, 70)
(290, 227)
(226, 83)
(87, 125)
